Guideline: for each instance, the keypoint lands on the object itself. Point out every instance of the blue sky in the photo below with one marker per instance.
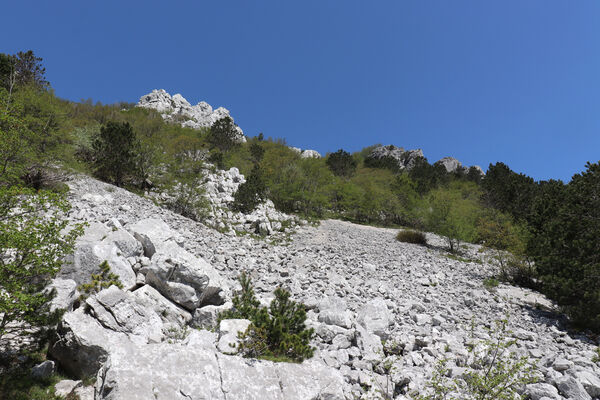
(483, 81)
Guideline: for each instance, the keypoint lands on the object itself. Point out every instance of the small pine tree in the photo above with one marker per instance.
(103, 280)
(277, 332)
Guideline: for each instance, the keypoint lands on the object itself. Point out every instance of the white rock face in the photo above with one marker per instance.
(310, 154)
(405, 159)
(178, 109)
(450, 163)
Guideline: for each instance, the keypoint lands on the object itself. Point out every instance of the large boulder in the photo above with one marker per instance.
(183, 278)
(375, 317)
(100, 244)
(150, 298)
(229, 331)
(177, 371)
(82, 344)
(160, 372)
(120, 312)
(65, 294)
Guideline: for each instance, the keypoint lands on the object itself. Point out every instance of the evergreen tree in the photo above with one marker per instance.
(114, 152)
(222, 134)
(341, 163)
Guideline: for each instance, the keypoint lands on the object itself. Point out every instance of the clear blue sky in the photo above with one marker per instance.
(483, 81)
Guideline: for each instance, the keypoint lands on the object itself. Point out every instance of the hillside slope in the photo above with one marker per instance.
(366, 293)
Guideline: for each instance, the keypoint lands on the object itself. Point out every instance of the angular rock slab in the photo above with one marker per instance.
(170, 371)
(160, 372)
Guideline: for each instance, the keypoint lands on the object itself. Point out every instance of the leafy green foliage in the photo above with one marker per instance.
(341, 163)
(114, 152)
(103, 280)
(410, 236)
(453, 212)
(277, 332)
(34, 240)
(222, 134)
(507, 242)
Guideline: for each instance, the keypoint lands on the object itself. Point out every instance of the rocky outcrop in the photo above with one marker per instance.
(178, 110)
(310, 154)
(450, 163)
(404, 159)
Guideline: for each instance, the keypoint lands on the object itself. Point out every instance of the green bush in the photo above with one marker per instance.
(250, 193)
(278, 333)
(341, 163)
(453, 212)
(34, 239)
(410, 236)
(114, 151)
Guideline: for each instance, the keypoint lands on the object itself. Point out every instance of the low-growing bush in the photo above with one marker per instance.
(278, 332)
(410, 236)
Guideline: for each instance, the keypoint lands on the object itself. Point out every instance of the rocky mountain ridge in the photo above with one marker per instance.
(372, 301)
(177, 109)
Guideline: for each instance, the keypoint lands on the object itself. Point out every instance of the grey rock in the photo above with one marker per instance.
(333, 311)
(229, 329)
(310, 154)
(90, 253)
(65, 387)
(589, 380)
(66, 294)
(150, 298)
(539, 391)
(451, 164)
(120, 312)
(375, 317)
(82, 344)
(43, 370)
(572, 389)
(404, 159)
(369, 345)
(207, 316)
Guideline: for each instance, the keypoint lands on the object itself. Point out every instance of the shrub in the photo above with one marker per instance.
(453, 212)
(103, 280)
(250, 193)
(490, 283)
(114, 151)
(277, 332)
(189, 201)
(341, 163)
(411, 236)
